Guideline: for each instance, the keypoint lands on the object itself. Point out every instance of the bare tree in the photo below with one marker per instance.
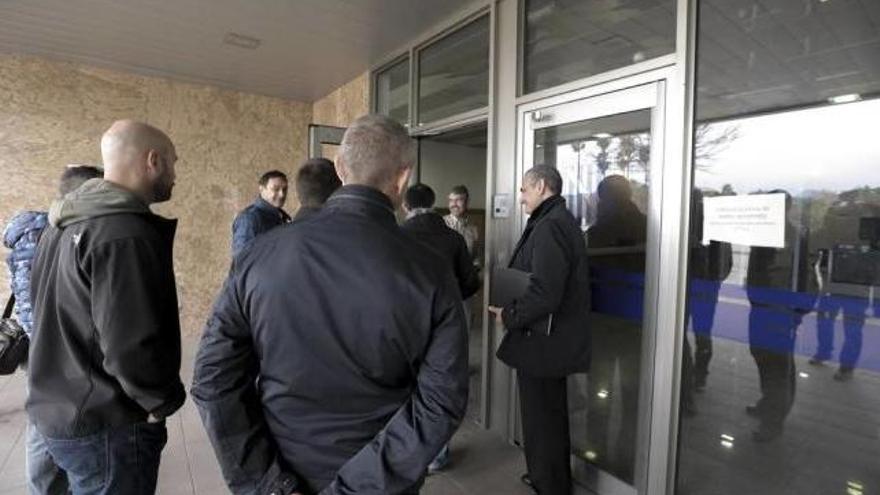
(709, 142)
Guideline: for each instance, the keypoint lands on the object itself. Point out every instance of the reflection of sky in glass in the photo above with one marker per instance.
(831, 148)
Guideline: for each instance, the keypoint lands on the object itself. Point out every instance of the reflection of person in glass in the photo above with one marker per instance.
(781, 290)
(617, 247)
(710, 263)
(846, 278)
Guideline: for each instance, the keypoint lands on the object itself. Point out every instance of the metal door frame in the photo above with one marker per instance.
(649, 91)
(323, 134)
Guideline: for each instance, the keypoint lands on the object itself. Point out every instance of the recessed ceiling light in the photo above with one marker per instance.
(601, 135)
(848, 98)
(242, 41)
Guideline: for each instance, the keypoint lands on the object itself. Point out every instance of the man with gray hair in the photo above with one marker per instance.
(335, 359)
(548, 334)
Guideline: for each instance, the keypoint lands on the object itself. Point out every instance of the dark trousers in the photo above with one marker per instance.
(123, 460)
(544, 406)
(854, 315)
(776, 373)
(701, 309)
(772, 334)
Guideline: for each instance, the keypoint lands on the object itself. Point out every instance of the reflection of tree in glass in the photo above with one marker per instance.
(602, 159)
(633, 150)
(710, 140)
(622, 152)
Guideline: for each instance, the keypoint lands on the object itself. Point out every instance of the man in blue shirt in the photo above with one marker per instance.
(263, 214)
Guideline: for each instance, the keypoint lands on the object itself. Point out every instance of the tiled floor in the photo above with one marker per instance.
(482, 463)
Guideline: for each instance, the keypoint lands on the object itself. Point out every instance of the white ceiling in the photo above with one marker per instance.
(309, 47)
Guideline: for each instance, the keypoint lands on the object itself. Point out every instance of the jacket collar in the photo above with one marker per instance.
(540, 212)
(305, 212)
(543, 208)
(427, 219)
(362, 199)
(268, 207)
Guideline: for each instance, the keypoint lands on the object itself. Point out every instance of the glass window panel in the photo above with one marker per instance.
(454, 73)
(392, 92)
(781, 371)
(566, 40)
(604, 165)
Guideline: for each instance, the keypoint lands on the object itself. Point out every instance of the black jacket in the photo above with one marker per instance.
(106, 347)
(430, 230)
(336, 356)
(553, 251)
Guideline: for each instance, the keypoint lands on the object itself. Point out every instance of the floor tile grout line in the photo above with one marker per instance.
(192, 480)
(12, 449)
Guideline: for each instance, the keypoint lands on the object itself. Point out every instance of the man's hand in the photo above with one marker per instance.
(495, 310)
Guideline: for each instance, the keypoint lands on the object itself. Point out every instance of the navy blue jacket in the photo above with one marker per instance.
(256, 219)
(21, 236)
(335, 358)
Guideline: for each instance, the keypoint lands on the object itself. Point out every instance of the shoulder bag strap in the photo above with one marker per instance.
(9, 304)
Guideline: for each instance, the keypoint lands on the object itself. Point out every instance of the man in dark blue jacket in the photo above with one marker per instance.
(548, 334)
(264, 214)
(335, 359)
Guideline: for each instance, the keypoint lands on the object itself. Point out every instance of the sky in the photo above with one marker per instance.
(834, 148)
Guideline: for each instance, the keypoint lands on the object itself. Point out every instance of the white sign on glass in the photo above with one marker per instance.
(747, 220)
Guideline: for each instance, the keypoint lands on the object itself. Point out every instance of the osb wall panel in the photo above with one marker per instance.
(345, 104)
(54, 113)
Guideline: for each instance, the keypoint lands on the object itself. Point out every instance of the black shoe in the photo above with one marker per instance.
(699, 383)
(527, 480)
(817, 361)
(753, 410)
(844, 374)
(766, 433)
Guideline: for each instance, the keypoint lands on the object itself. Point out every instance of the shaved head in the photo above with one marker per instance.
(140, 158)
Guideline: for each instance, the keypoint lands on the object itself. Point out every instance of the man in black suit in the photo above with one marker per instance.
(548, 337)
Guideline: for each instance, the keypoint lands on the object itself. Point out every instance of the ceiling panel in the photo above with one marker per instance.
(308, 47)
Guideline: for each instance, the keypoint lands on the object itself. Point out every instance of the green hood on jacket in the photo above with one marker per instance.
(95, 198)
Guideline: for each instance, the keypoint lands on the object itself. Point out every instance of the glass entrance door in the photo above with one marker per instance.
(608, 152)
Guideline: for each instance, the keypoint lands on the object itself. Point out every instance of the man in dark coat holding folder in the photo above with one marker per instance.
(548, 335)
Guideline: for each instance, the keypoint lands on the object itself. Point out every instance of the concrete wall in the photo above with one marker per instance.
(345, 104)
(54, 113)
